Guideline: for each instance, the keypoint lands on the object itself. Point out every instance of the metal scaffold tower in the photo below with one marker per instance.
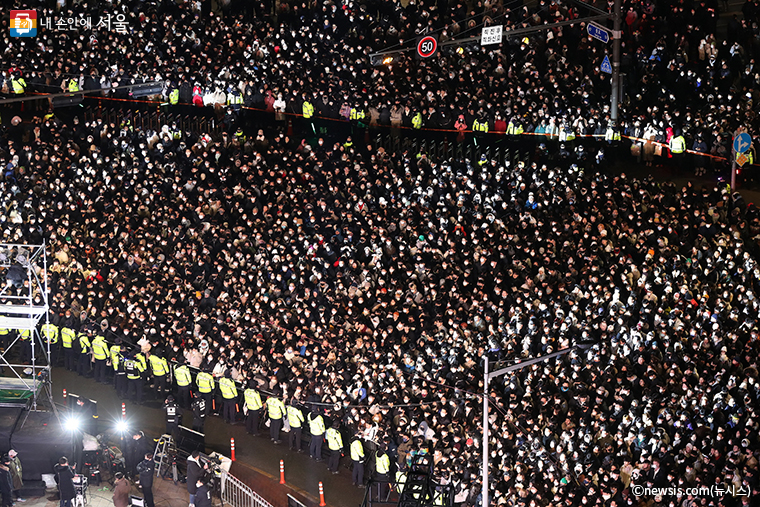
(26, 378)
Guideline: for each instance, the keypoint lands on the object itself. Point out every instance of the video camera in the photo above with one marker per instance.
(214, 464)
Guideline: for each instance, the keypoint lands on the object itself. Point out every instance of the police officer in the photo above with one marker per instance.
(229, 395)
(317, 430)
(100, 354)
(335, 444)
(134, 368)
(357, 457)
(67, 340)
(401, 477)
(50, 332)
(199, 413)
(174, 96)
(205, 383)
(171, 409)
(184, 378)
(25, 336)
(85, 353)
(253, 408)
(295, 419)
(383, 469)
(114, 354)
(5, 337)
(120, 373)
(276, 411)
(307, 109)
(159, 368)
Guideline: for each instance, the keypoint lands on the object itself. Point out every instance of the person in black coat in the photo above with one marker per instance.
(203, 495)
(6, 482)
(146, 469)
(195, 471)
(138, 447)
(65, 475)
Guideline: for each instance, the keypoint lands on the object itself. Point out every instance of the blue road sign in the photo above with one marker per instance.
(598, 32)
(742, 142)
(606, 66)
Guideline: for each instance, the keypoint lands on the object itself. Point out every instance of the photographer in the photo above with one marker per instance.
(65, 478)
(195, 473)
(145, 470)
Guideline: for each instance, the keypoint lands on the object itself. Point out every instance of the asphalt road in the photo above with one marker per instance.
(258, 459)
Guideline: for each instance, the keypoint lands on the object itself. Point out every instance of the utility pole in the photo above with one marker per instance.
(487, 376)
(615, 92)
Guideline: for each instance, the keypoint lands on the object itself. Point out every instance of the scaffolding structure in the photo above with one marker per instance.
(23, 307)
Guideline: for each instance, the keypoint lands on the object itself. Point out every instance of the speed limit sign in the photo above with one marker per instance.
(427, 46)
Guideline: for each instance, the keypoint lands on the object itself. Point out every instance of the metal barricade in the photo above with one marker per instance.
(236, 494)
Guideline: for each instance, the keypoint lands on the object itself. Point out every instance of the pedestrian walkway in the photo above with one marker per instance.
(258, 459)
(165, 494)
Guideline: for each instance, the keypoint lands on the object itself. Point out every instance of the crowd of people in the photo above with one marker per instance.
(315, 59)
(370, 285)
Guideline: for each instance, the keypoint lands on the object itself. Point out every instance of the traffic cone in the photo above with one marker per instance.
(65, 398)
(321, 496)
(282, 472)
(232, 449)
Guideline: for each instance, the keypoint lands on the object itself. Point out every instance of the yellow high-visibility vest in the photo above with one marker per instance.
(227, 386)
(115, 355)
(67, 337)
(158, 366)
(334, 440)
(50, 331)
(84, 343)
(316, 425)
(357, 450)
(308, 109)
(677, 144)
(295, 417)
(357, 114)
(183, 376)
(383, 464)
(276, 408)
(417, 121)
(205, 382)
(748, 154)
(99, 348)
(400, 481)
(18, 85)
(253, 399)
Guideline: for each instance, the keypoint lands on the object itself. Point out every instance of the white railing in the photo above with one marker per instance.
(237, 494)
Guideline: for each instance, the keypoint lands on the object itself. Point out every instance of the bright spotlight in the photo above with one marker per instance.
(388, 60)
(72, 423)
(121, 426)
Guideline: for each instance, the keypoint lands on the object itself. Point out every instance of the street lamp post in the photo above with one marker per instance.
(487, 376)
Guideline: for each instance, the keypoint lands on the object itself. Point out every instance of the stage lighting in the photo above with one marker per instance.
(122, 426)
(72, 423)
